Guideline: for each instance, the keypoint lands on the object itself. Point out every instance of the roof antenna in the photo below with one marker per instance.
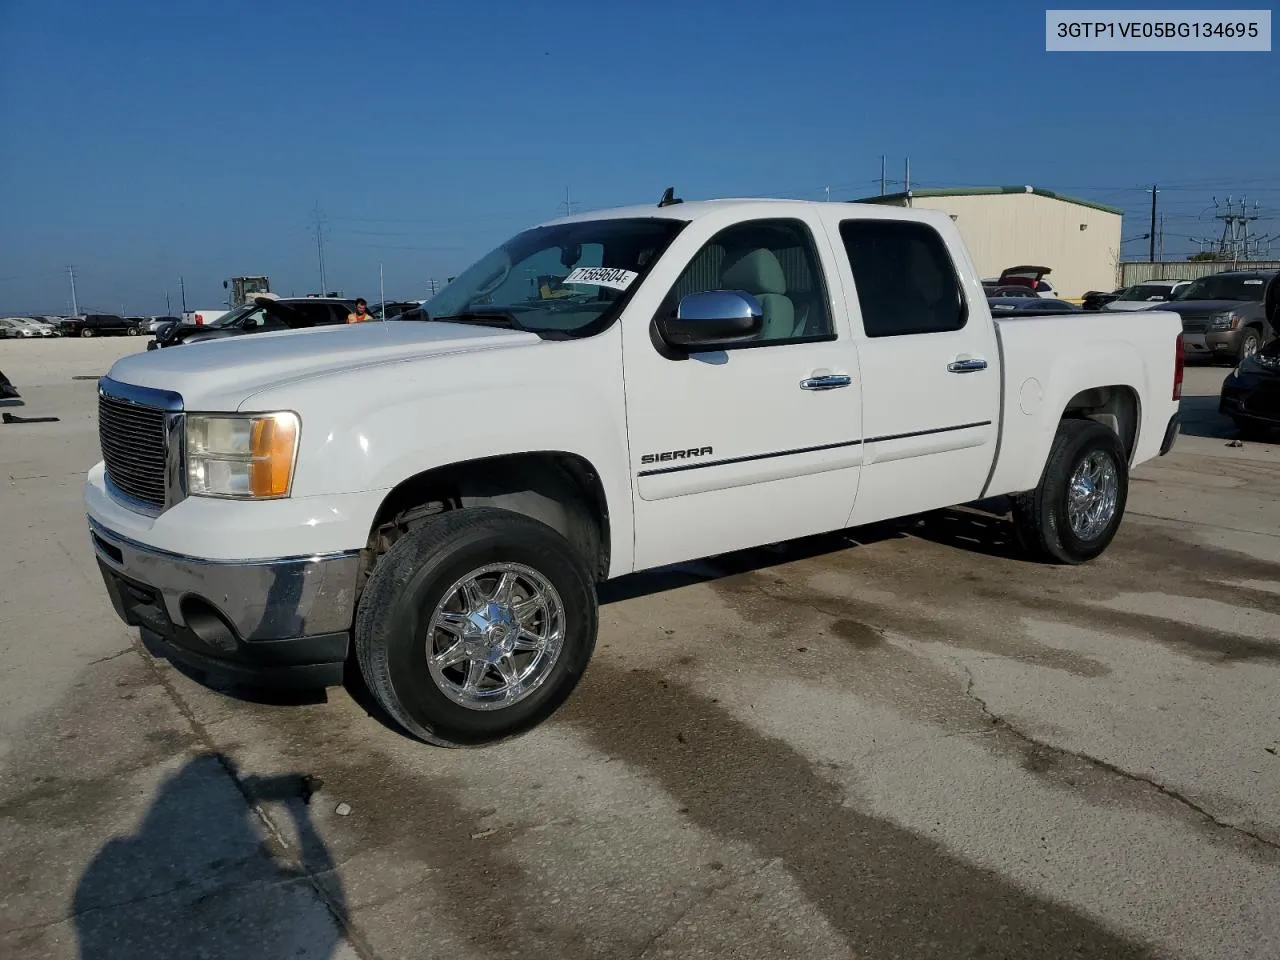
(669, 198)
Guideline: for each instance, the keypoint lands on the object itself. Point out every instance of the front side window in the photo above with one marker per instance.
(904, 276)
(568, 279)
(774, 261)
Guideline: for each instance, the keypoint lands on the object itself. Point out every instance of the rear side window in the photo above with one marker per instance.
(906, 281)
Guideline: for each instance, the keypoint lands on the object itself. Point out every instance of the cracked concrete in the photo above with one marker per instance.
(898, 741)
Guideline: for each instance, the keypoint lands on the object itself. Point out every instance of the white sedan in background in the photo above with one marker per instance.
(1147, 294)
(16, 327)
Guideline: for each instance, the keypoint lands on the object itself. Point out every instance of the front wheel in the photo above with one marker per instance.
(1073, 515)
(86, 332)
(131, 332)
(1250, 342)
(476, 626)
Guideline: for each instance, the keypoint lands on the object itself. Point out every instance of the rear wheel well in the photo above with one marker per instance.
(561, 490)
(1116, 407)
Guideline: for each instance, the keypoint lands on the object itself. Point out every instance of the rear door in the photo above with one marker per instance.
(930, 367)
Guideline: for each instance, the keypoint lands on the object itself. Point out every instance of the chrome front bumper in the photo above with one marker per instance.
(284, 621)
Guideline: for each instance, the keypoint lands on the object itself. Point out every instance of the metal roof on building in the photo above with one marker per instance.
(987, 191)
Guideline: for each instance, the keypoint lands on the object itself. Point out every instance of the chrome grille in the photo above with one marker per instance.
(133, 446)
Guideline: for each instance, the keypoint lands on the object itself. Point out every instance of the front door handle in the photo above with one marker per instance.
(967, 365)
(826, 382)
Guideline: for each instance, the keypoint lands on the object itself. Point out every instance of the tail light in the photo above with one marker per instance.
(1179, 361)
(200, 320)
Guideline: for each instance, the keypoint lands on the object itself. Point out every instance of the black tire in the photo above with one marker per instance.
(410, 580)
(1250, 343)
(86, 332)
(131, 332)
(1040, 515)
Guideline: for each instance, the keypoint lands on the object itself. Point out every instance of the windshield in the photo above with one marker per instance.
(569, 278)
(229, 319)
(1224, 288)
(1145, 291)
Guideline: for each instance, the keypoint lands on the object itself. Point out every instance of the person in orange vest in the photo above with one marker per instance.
(361, 313)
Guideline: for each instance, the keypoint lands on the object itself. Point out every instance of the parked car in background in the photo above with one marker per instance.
(1097, 299)
(1140, 296)
(1251, 394)
(393, 308)
(1005, 306)
(1223, 317)
(1029, 277)
(264, 315)
(13, 328)
(1025, 293)
(155, 323)
(98, 325)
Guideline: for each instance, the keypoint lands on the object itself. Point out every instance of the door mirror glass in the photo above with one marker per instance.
(713, 319)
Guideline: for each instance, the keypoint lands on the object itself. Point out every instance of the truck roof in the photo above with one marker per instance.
(693, 209)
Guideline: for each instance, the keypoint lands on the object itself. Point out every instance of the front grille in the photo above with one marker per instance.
(133, 446)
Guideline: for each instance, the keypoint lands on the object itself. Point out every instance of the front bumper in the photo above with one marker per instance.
(283, 622)
(1213, 343)
(1251, 396)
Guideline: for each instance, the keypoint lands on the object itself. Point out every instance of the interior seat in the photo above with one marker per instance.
(760, 274)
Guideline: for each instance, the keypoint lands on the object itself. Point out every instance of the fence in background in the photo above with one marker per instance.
(1138, 271)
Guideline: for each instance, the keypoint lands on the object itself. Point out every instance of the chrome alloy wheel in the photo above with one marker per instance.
(1092, 495)
(495, 636)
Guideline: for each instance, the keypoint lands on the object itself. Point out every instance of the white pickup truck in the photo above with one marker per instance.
(605, 393)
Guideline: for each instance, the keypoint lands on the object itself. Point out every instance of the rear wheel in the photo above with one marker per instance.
(476, 626)
(1073, 515)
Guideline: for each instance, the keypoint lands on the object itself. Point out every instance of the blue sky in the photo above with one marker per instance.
(146, 140)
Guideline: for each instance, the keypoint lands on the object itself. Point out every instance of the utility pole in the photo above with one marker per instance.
(182, 285)
(168, 309)
(568, 204)
(828, 194)
(907, 180)
(1162, 238)
(382, 292)
(882, 174)
(75, 304)
(324, 283)
(1151, 257)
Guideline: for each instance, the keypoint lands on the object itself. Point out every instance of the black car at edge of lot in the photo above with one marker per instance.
(98, 325)
(264, 315)
(1251, 394)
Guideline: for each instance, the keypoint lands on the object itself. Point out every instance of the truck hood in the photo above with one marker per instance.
(1198, 308)
(220, 374)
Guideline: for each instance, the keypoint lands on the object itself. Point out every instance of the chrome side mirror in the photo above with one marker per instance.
(713, 320)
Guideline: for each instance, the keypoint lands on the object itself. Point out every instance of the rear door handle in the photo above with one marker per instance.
(829, 381)
(967, 365)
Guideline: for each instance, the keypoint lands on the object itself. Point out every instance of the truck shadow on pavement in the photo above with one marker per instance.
(203, 876)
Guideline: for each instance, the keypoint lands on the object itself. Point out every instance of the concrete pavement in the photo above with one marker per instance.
(902, 741)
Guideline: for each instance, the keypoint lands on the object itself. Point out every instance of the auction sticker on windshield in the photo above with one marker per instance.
(614, 279)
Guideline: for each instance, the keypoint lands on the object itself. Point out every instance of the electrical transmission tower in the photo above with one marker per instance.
(1237, 241)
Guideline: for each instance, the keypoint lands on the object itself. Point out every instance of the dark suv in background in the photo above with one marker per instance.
(261, 316)
(1223, 317)
(98, 325)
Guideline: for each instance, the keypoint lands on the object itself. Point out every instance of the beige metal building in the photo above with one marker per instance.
(1008, 226)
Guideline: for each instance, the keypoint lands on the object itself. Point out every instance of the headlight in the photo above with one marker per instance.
(1224, 321)
(245, 457)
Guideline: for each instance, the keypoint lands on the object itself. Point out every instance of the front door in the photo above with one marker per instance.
(754, 444)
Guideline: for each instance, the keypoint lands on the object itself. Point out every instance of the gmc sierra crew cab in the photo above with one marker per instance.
(609, 392)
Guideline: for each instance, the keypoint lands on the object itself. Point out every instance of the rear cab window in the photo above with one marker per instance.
(905, 279)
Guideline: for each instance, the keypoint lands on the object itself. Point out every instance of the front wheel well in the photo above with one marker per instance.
(1116, 407)
(562, 490)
